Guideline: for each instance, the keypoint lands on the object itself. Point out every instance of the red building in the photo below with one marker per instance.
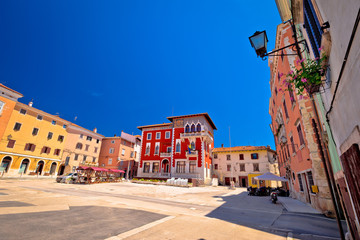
(179, 149)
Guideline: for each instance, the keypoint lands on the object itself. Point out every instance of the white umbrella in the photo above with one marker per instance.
(270, 177)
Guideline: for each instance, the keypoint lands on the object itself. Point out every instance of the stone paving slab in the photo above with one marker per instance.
(13, 204)
(294, 205)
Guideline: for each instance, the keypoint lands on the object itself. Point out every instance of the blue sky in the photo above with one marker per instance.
(116, 65)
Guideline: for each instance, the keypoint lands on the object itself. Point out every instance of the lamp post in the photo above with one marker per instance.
(259, 42)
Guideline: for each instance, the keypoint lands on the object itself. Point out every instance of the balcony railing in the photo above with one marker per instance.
(165, 154)
(196, 134)
(192, 153)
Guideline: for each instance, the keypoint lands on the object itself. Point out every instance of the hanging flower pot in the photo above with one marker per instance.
(306, 75)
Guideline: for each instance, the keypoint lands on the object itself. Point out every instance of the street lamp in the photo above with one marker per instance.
(259, 42)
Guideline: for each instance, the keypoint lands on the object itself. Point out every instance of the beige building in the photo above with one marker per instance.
(243, 163)
(82, 148)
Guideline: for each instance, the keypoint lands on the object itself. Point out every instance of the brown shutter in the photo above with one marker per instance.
(48, 150)
(33, 147)
(11, 143)
(351, 164)
(26, 146)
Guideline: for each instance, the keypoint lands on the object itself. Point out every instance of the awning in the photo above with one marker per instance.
(82, 168)
(270, 177)
(117, 170)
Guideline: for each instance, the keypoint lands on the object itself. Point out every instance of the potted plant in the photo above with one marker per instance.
(306, 75)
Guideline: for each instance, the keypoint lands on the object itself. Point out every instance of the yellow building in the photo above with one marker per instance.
(32, 143)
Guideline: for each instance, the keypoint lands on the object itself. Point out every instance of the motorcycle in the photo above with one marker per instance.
(274, 197)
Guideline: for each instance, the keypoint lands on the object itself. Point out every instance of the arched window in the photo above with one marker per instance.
(79, 146)
(198, 127)
(192, 146)
(193, 128)
(52, 168)
(24, 165)
(147, 149)
(187, 129)
(178, 147)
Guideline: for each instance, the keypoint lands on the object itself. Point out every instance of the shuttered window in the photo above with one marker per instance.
(11, 144)
(312, 27)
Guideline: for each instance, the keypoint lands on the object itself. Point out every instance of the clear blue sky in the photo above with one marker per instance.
(121, 64)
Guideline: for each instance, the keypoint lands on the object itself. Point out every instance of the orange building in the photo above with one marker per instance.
(292, 126)
(8, 99)
(118, 153)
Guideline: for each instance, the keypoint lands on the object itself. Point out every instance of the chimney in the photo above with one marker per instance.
(95, 130)
(222, 145)
(30, 103)
(114, 135)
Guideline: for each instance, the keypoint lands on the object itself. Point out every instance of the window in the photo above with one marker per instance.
(180, 167)
(76, 157)
(95, 150)
(53, 122)
(67, 160)
(157, 149)
(97, 140)
(198, 127)
(292, 144)
(35, 131)
(228, 157)
(94, 160)
(228, 167)
(311, 180)
(88, 138)
(11, 143)
(123, 152)
(113, 141)
(242, 167)
(254, 156)
(168, 149)
(241, 156)
(292, 98)
(45, 150)
(23, 111)
(64, 126)
(256, 167)
(111, 150)
(215, 155)
(57, 152)
(87, 147)
(312, 27)
(193, 128)
(167, 135)
(147, 150)
(146, 167)
(148, 137)
(187, 129)
(300, 183)
(155, 168)
(285, 109)
(79, 146)
(215, 166)
(17, 126)
(178, 147)
(81, 135)
(50, 135)
(158, 135)
(2, 104)
(84, 158)
(192, 167)
(39, 117)
(276, 91)
(132, 154)
(30, 147)
(61, 138)
(192, 145)
(110, 161)
(301, 137)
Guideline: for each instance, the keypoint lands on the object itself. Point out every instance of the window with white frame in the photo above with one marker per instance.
(158, 135)
(192, 167)
(147, 150)
(148, 137)
(178, 146)
(123, 151)
(300, 183)
(242, 167)
(180, 167)
(167, 135)
(2, 104)
(228, 167)
(23, 111)
(256, 167)
(110, 161)
(155, 168)
(192, 145)
(39, 117)
(157, 148)
(111, 150)
(146, 167)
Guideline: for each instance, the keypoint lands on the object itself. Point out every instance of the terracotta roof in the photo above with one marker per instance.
(206, 115)
(75, 125)
(1, 85)
(242, 148)
(155, 125)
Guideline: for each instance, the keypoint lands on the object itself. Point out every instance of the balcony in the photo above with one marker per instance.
(165, 154)
(192, 153)
(196, 134)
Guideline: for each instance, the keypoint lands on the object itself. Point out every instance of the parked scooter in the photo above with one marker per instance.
(274, 197)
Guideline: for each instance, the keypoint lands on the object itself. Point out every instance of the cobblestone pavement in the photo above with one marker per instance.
(44, 209)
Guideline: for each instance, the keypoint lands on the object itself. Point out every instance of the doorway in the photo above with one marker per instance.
(61, 170)
(52, 168)
(39, 168)
(24, 166)
(5, 164)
